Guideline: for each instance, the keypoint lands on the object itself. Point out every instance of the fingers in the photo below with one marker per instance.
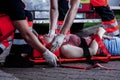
(50, 58)
(55, 47)
(53, 62)
(57, 42)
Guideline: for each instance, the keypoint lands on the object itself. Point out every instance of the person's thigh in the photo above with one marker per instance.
(70, 51)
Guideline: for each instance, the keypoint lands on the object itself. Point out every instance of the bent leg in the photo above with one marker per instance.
(94, 45)
(70, 51)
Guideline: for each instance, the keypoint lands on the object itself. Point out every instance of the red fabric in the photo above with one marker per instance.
(99, 2)
(85, 7)
(6, 27)
(60, 23)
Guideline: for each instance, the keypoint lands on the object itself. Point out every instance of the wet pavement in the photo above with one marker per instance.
(44, 72)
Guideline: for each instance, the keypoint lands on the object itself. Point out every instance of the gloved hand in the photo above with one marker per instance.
(57, 42)
(50, 58)
(51, 32)
(49, 37)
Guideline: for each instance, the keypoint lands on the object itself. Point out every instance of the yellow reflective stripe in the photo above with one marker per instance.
(84, 1)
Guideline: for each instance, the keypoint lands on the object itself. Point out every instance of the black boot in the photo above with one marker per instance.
(17, 61)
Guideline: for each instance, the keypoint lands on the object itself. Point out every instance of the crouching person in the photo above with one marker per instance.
(14, 9)
(20, 51)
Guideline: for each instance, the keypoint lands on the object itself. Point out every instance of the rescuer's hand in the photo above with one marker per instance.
(51, 32)
(57, 42)
(50, 58)
(49, 37)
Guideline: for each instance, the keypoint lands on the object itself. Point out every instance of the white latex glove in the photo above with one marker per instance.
(51, 32)
(50, 58)
(49, 37)
(57, 42)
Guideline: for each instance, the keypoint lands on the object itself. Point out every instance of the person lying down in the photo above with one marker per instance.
(71, 47)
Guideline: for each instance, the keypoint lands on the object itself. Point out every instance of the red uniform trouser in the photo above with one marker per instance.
(109, 21)
(59, 27)
(6, 32)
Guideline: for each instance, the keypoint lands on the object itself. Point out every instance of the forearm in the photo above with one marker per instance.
(53, 14)
(70, 15)
(30, 38)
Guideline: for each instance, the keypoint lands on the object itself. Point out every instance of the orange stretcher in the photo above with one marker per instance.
(38, 58)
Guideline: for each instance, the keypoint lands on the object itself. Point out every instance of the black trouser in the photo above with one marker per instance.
(63, 8)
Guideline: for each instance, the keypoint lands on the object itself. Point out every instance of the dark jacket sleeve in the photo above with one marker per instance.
(16, 10)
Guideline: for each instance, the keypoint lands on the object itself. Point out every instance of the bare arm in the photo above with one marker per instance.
(58, 40)
(53, 14)
(70, 15)
(31, 39)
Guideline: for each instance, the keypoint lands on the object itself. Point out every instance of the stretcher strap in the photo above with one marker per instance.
(88, 67)
(102, 47)
(85, 67)
(86, 51)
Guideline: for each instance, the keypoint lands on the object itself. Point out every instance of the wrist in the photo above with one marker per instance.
(62, 35)
(46, 52)
(51, 32)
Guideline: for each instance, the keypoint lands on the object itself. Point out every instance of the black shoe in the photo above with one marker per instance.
(16, 61)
